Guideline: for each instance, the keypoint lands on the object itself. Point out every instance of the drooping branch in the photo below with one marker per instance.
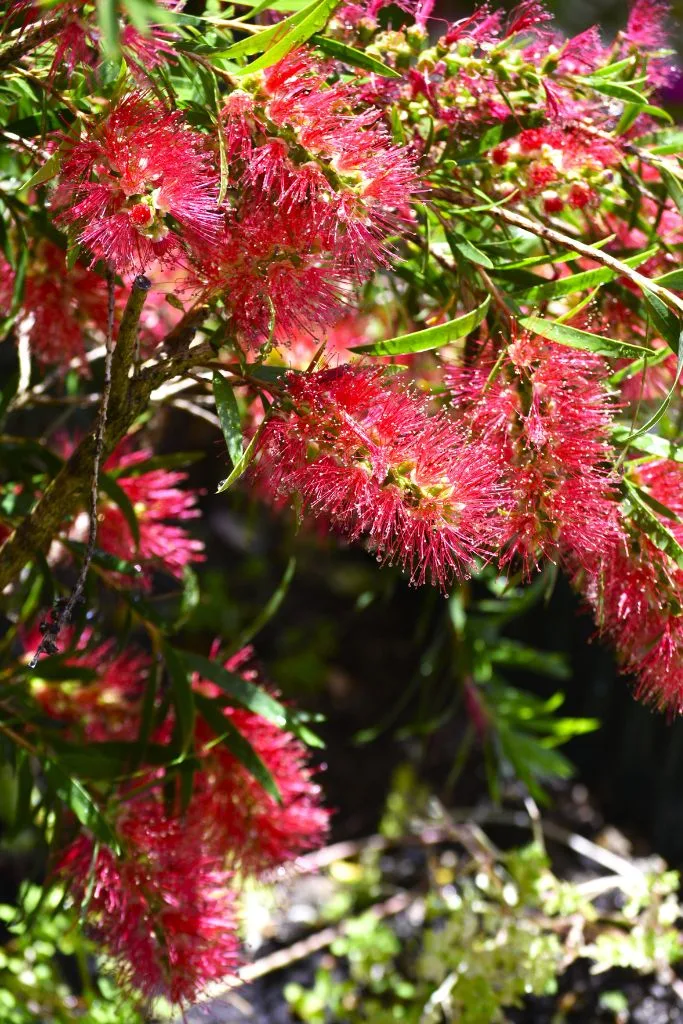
(68, 490)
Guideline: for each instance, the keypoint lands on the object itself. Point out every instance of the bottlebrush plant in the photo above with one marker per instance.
(427, 274)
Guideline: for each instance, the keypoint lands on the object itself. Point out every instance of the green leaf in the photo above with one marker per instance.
(313, 22)
(58, 669)
(248, 696)
(117, 494)
(108, 21)
(664, 320)
(261, 40)
(630, 115)
(191, 595)
(19, 280)
(654, 503)
(651, 444)
(91, 762)
(238, 745)
(145, 13)
(513, 654)
(243, 461)
(673, 187)
(76, 797)
(464, 248)
(182, 695)
(547, 290)
(229, 415)
(354, 58)
(618, 90)
(48, 170)
(24, 788)
(674, 279)
(650, 524)
(270, 609)
(657, 112)
(654, 358)
(656, 416)
(430, 337)
(667, 142)
(563, 335)
(110, 563)
(613, 69)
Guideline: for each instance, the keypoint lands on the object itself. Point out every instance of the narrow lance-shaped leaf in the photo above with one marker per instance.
(258, 42)
(650, 444)
(182, 695)
(465, 249)
(547, 290)
(354, 58)
(108, 21)
(270, 609)
(618, 90)
(650, 523)
(248, 696)
(238, 745)
(229, 415)
(656, 416)
(430, 337)
(117, 494)
(612, 347)
(243, 461)
(664, 320)
(314, 21)
(76, 797)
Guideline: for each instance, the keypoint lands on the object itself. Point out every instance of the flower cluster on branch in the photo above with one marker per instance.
(424, 279)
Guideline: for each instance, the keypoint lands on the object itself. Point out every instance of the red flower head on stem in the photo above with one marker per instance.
(156, 498)
(368, 456)
(139, 187)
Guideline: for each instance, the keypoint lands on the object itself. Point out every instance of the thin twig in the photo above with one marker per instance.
(113, 369)
(29, 41)
(552, 235)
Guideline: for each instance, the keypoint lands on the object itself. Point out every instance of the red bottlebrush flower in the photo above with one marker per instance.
(164, 910)
(552, 203)
(548, 414)
(532, 139)
(139, 155)
(156, 498)
(339, 341)
(500, 155)
(370, 459)
(312, 211)
(647, 27)
(528, 14)
(60, 306)
(647, 30)
(542, 174)
(277, 274)
(580, 196)
(583, 53)
(254, 832)
(635, 594)
(146, 52)
(107, 708)
(374, 179)
(480, 27)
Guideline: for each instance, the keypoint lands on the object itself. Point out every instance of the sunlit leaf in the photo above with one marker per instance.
(430, 337)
